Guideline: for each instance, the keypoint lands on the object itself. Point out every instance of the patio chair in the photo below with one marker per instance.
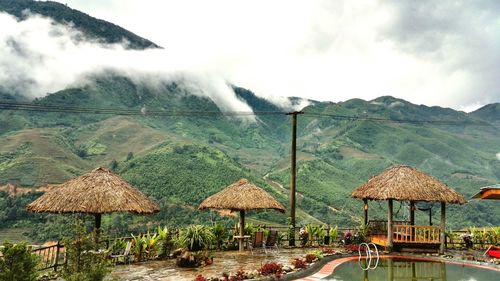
(125, 255)
(257, 241)
(271, 242)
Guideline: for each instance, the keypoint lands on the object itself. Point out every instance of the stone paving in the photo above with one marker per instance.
(228, 261)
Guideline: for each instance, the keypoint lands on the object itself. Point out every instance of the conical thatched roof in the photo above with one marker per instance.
(242, 195)
(405, 183)
(97, 192)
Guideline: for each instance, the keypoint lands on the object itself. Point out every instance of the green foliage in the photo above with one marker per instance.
(165, 240)
(333, 233)
(17, 263)
(83, 262)
(220, 235)
(196, 237)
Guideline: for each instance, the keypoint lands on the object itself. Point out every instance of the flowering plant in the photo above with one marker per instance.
(271, 268)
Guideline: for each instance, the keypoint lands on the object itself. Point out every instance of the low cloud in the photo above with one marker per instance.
(498, 156)
(38, 56)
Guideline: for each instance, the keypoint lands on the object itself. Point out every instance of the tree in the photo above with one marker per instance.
(130, 155)
(113, 165)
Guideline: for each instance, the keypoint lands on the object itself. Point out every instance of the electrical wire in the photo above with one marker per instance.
(34, 107)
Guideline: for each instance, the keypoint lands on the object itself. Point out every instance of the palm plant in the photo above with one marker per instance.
(165, 241)
(139, 246)
(321, 233)
(150, 241)
(196, 237)
(220, 234)
(310, 230)
(333, 233)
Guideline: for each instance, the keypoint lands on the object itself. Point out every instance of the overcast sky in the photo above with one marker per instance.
(444, 53)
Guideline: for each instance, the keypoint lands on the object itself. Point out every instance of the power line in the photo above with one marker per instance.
(7, 105)
(395, 120)
(117, 111)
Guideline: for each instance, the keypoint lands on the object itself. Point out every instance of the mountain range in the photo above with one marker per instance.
(183, 147)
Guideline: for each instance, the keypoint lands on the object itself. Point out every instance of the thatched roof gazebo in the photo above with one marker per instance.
(405, 183)
(242, 196)
(97, 192)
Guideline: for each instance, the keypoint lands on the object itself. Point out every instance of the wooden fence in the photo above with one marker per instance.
(51, 256)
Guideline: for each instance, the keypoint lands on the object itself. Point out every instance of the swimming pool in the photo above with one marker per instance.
(406, 269)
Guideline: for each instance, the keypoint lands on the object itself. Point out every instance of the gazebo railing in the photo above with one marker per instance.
(379, 227)
(416, 234)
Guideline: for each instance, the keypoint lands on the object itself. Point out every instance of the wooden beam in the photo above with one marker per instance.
(389, 225)
(443, 227)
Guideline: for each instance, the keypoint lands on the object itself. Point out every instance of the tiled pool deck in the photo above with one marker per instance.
(232, 261)
(227, 261)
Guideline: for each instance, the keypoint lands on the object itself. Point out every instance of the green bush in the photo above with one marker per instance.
(17, 263)
(196, 237)
(84, 263)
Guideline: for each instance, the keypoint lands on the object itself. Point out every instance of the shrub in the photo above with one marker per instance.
(240, 275)
(299, 263)
(328, 251)
(83, 263)
(310, 258)
(17, 263)
(352, 247)
(220, 235)
(271, 269)
(200, 278)
(196, 237)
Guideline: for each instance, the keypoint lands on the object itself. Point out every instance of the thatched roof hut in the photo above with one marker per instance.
(405, 183)
(491, 192)
(242, 196)
(98, 192)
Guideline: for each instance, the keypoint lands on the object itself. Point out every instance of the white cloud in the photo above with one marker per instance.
(498, 156)
(443, 53)
(39, 57)
(323, 50)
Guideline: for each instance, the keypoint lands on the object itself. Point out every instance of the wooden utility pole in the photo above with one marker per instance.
(293, 171)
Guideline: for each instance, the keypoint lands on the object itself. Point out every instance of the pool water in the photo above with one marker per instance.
(403, 269)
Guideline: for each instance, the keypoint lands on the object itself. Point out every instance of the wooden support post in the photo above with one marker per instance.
(57, 255)
(242, 230)
(389, 225)
(412, 219)
(412, 212)
(97, 229)
(293, 172)
(442, 227)
(365, 208)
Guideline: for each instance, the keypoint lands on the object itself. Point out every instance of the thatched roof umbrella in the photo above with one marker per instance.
(405, 183)
(242, 196)
(98, 192)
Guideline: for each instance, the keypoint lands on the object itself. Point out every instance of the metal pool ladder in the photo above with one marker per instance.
(369, 252)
